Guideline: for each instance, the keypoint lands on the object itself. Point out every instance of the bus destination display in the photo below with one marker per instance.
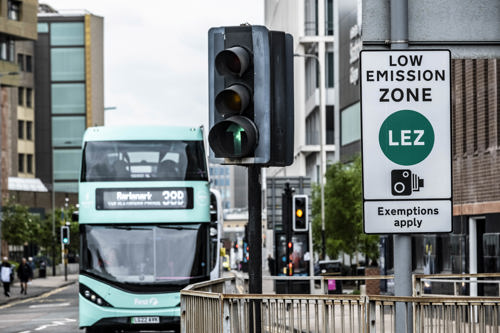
(144, 198)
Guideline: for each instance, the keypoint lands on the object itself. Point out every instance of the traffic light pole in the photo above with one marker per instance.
(255, 241)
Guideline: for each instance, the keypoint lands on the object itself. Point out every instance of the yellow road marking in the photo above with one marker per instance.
(47, 294)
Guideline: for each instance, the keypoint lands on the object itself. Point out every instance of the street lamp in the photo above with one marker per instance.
(322, 111)
(1, 121)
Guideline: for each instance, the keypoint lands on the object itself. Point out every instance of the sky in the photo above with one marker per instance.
(156, 55)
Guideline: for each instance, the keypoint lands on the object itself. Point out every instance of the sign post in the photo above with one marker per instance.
(405, 108)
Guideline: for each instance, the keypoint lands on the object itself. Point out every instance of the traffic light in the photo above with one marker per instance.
(65, 235)
(250, 96)
(299, 206)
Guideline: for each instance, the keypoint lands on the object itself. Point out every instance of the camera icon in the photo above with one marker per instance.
(403, 182)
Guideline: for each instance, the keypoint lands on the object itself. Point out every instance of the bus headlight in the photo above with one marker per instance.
(92, 296)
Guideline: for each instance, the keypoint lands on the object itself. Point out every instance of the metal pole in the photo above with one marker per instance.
(255, 243)
(53, 226)
(1, 173)
(402, 243)
(322, 142)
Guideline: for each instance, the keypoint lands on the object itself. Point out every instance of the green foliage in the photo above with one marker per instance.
(19, 226)
(343, 213)
(49, 241)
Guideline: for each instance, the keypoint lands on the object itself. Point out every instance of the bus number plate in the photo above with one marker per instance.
(145, 320)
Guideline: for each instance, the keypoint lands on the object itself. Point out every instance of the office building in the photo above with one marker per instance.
(69, 92)
(311, 24)
(17, 23)
(474, 244)
(231, 181)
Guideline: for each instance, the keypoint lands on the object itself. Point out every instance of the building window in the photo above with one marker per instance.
(330, 79)
(68, 64)
(329, 117)
(29, 64)
(20, 129)
(312, 128)
(20, 163)
(3, 50)
(20, 96)
(29, 97)
(68, 33)
(29, 163)
(20, 61)
(312, 76)
(311, 17)
(66, 164)
(350, 122)
(329, 18)
(67, 131)
(14, 10)
(29, 130)
(68, 98)
(43, 28)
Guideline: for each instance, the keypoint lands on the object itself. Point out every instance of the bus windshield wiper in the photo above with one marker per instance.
(176, 227)
(121, 227)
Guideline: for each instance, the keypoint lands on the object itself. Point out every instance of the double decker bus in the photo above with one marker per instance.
(145, 227)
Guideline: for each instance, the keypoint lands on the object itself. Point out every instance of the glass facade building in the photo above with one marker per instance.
(71, 92)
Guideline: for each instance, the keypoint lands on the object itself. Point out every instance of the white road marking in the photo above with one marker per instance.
(55, 323)
(49, 305)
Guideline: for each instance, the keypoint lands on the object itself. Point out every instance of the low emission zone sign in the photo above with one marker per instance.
(406, 135)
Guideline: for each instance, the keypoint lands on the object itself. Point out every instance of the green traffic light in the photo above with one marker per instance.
(235, 137)
(236, 130)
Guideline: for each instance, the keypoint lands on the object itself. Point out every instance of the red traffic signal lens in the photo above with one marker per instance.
(232, 61)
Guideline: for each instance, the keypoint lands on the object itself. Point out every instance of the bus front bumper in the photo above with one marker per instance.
(92, 315)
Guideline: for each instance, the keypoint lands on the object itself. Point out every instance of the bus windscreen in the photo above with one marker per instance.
(146, 254)
(143, 161)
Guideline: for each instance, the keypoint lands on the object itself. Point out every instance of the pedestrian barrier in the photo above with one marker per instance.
(216, 307)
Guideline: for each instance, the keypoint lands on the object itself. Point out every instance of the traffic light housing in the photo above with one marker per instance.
(250, 96)
(65, 235)
(299, 207)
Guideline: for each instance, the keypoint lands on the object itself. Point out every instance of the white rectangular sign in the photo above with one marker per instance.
(406, 130)
(407, 216)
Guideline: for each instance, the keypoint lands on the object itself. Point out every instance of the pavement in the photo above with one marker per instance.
(37, 287)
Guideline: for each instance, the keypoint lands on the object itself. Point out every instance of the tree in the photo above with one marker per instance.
(343, 213)
(52, 243)
(18, 224)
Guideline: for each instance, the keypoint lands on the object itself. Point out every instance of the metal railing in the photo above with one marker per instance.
(216, 307)
(456, 285)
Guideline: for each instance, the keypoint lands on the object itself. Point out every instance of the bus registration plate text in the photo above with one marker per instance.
(145, 320)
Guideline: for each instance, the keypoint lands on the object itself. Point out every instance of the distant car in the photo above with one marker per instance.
(225, 263)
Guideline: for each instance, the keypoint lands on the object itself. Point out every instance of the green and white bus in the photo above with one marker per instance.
(145, 226)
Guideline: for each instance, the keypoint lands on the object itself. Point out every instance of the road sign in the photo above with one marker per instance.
(406, 133)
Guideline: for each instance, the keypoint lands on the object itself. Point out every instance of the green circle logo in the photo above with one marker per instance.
(406, 137)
